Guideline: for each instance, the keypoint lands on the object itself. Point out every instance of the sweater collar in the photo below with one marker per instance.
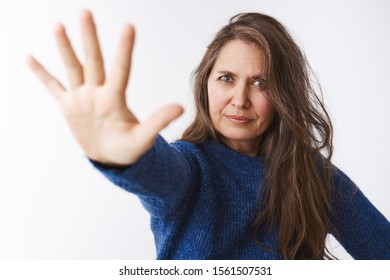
(235, 161)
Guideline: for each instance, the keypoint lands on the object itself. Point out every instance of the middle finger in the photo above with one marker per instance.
(93, 68)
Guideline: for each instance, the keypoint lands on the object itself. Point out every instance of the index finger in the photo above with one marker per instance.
(119, 75)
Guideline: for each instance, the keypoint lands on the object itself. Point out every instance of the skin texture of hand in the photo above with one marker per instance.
(95, 105)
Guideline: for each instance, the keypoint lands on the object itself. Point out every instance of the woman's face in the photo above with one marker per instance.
(239, 107)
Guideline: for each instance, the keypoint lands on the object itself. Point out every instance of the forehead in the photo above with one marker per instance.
(238, 56)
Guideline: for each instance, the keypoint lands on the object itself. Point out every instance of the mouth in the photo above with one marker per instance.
(238, 119)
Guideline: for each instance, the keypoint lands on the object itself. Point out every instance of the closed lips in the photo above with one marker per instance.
(239, 118)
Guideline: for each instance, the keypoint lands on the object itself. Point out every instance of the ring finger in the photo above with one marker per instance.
(72, 64)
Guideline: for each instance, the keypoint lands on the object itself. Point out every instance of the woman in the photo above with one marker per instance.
(247, 180)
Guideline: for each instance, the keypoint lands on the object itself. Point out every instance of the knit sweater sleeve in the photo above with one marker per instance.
(362, 230)
(161, 178)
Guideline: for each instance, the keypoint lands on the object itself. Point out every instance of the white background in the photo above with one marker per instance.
(54, 205)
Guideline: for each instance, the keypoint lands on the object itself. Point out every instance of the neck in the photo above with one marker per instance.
(246, 147)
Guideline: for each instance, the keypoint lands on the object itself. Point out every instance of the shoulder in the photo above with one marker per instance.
(342, 182)
(185, 146)
(338, 178)
(192, 151)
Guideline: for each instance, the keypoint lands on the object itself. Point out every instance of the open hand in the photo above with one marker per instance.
(95, 105)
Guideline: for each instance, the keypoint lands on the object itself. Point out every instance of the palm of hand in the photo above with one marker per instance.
(95, 106)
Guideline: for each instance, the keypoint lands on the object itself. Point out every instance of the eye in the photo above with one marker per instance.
(226, 78)
(259, 83)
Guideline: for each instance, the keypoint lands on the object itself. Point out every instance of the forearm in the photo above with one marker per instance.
(162, 178)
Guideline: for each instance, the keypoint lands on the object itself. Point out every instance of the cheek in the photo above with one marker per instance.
(265, 109)
(217, 100)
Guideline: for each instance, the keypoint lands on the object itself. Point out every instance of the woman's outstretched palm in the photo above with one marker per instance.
(95, 105)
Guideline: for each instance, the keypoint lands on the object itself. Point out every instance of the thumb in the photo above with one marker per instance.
(161, 119)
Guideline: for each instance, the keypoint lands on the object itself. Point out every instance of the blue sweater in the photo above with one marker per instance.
(202, 201)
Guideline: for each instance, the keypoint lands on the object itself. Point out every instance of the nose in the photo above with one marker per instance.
(240, 98)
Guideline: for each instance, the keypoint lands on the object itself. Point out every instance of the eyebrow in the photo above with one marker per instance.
(227, 72)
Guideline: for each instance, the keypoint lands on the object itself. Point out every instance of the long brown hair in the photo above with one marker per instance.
(295, 195)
